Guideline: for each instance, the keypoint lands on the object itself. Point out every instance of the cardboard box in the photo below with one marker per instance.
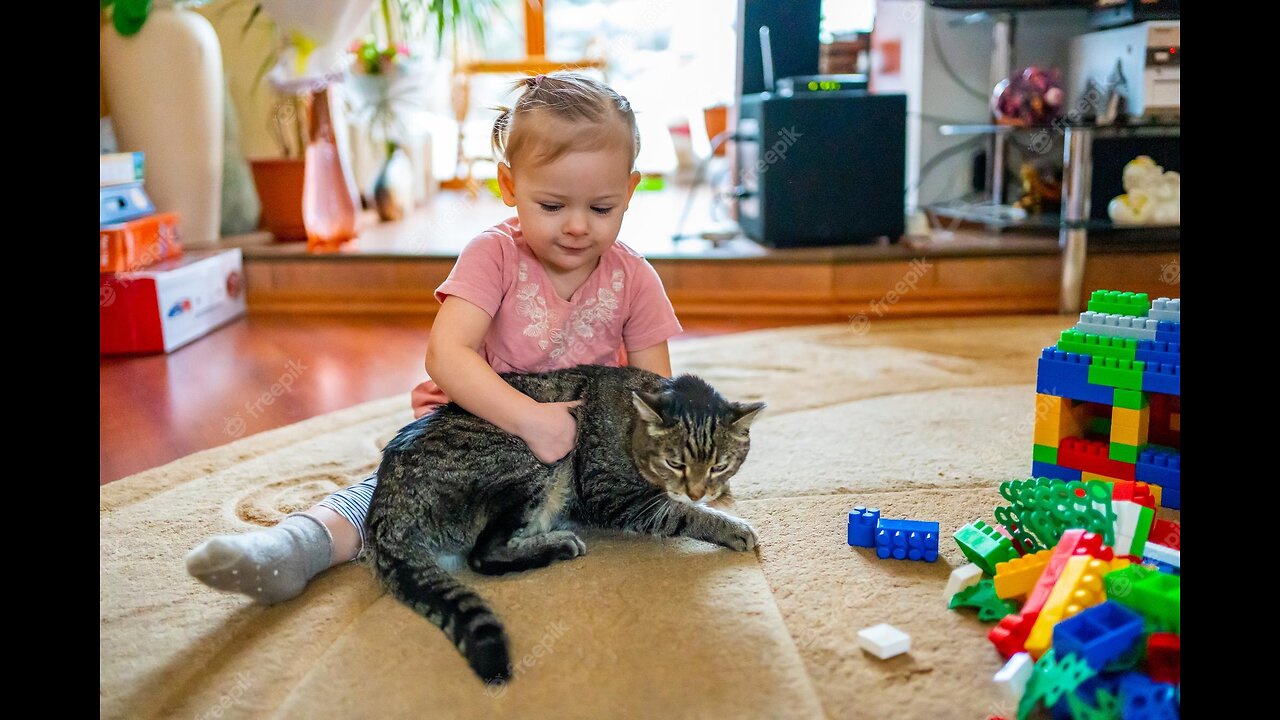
(140, 243)
(168, 305)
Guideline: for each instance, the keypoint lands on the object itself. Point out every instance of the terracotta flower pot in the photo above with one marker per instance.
(279, 183)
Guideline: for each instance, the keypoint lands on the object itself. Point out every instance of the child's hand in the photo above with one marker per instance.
(550, 430)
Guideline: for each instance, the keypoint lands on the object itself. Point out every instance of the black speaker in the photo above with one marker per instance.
(793, 31)
(822, 168)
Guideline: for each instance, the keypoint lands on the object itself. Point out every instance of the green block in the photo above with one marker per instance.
(1131, 399)
(1146, 517)
(1124, 453)
(1155, 595)
(1125, 374)
(1098, 345)
(1119, 303)
(984, 546)
(1045, 454)
(1099, 426)
(983, 596)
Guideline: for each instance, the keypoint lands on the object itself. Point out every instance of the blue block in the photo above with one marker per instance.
(1142, 698)
(1170, 332)
(1166, 309)
(862, 526)
(1065, 374)
(1162, 378)
(1171, 498)
(1162, 352)
(1049, 470)
(1105, 636)
(1161, 468)
(907, 540)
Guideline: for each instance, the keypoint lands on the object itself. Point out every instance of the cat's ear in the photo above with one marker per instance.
(647, 405)
(746, 414)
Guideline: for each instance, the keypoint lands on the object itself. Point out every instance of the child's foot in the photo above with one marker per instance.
(268, 565)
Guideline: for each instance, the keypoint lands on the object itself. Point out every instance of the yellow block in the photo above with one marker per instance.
(1078, 587)
(1018, 576)
(1058, 418)
(1086, 475)
(1175, 421)
(1130, 427)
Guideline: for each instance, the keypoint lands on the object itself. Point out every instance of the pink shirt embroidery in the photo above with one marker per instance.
(621, 306)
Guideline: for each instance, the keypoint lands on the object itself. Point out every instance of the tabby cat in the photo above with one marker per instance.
(452, 485)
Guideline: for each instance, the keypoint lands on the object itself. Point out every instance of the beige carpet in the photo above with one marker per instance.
(921, 418)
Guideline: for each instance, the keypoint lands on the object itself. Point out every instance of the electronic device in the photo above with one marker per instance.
(1113, 13)
(1149, 57)
(820, 83)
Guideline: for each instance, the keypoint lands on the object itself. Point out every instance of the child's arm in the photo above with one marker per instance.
(454, 363)
(655, 359)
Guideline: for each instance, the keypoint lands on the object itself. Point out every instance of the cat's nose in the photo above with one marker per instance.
(696, 494)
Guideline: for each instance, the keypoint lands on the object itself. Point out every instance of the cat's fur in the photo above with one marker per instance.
(451, 484)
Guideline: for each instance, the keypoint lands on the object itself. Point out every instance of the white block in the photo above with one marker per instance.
(961, 578)
(1012, 678)
(1164, 554)
(884, 641)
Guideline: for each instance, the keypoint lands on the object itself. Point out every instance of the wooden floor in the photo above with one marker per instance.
(260, 373)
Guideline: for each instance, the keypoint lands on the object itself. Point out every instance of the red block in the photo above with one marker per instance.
(1091, 456)
(1136, 491)
(1167, 533)
(1164, 657)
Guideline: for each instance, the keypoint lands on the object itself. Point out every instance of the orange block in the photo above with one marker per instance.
(1058, 418)
(1018, 577)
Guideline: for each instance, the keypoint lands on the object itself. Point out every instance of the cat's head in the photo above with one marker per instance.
(689, 440)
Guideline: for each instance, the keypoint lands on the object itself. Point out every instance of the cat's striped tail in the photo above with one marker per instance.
(456, 609)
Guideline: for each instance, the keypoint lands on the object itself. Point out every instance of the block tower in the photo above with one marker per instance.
(1108, 395)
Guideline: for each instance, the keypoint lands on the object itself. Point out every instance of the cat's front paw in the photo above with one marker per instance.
(737, 535)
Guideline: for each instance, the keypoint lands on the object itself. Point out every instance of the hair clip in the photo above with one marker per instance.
(537, 81)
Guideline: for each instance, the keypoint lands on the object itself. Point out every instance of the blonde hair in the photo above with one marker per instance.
(600, 115)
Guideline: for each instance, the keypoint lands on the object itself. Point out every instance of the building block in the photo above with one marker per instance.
(1092, 455)
(1156, 596)
(1167, 533)
(862, 526)
(1044, 454)
(1125, 453)
(1138, 492)
(1144, 699)
(1056, 418)
(1119, 303)
(1170, 332)
(983, 597)
(907, 540)
(1132, 526)
(1086, 476)
(1157, 351)
(1067, 375)
(1098, 345)
(1054, 682)
(1157, 467)
(1164, 555)
(1017, 577)
(1130, 426)
(984, 546)
(1164, 658)
(1107, 636)
(884, 641)
(1163, 378)
(1122, 326)
(1050, 470)
(1130, 399)
(1125, 374)
(965, 576)
(1079, 587)
(1167, 309)
(1172, 499)
(1012, 678)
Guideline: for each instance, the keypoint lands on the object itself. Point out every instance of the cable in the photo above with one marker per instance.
(698, 174)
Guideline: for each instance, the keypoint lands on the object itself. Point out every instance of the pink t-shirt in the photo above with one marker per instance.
(620, 307)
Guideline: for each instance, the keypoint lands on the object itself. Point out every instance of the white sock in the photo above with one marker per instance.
(268, 565)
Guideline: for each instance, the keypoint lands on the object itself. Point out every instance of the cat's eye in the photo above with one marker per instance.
(677, 466)
(720, 468)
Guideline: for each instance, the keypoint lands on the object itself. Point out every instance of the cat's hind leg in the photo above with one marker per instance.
(498, 552)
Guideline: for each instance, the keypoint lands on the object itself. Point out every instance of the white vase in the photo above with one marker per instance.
(164, 90)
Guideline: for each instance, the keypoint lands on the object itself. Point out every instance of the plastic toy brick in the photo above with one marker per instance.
(984, 546)
(1098, 345)
(1132, 526)
(1097, 426)
(1079, 587)
(1056, 418)
(1138, 492)
(1162, 378)
(1054, 680)
(1156, 596)
(884, 641)
(1108, 636)
(1092, 455)
(862, 526)
(1175, 422)
(1130, 399)
(1067, 375)
(1122, 326)
(1157, 351)
(1124, 374)
(1017, 577)
(1119, 303)
(1010, 634)
(1122, 452)
(907, 540)
(1042, 508)
(1171, 499)
(1156, 467)
(1012, 678)
(1167, 309)
(962, 577)
(1142, 698)
(1164, 658)
(1086, 476)
(1162, 554)
(1056, 472)
(1137, 421)
(1097, 698)
(1044, 454)
(1170, 332)
(1167, 533)
(983, 597)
